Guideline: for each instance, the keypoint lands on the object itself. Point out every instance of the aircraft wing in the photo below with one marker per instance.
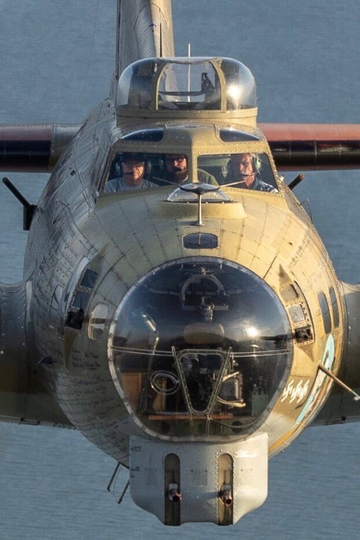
(37, 147)
(33, 147)
(314, 146)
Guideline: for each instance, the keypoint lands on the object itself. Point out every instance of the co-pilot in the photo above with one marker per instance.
(244, 172)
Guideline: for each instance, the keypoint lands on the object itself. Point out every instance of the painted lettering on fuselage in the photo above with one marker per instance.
(295, 392)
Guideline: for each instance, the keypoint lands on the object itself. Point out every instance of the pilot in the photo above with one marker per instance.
(176, 170)
(132, 174)
(245, 170)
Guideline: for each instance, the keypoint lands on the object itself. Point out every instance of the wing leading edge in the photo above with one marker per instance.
(314, 146)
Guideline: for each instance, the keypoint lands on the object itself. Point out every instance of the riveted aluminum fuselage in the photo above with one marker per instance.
(126, 235)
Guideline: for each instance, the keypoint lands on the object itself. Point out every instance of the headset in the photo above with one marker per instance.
(256, 163)
(117, 169)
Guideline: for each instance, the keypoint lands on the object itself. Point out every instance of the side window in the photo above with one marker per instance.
(69, 291)
(324, 306)
(89, 279)
(299, 312)
(78, 304)
(72, 282)
(334, 307)
(97, 321)
(289, 293)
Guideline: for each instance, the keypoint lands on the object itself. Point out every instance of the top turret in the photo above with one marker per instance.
(178, 87)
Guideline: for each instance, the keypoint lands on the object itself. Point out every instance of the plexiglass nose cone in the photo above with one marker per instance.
(200, 348)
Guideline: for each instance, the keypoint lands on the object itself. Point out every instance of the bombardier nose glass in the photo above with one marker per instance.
(200, 348)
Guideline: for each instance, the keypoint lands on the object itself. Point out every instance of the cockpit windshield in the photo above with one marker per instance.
(131, 171)
(250, 171)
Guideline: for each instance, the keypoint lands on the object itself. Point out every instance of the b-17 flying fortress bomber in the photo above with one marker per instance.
(178, 307)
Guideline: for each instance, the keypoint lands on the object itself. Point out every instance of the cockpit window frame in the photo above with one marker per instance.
(144, 147)
(192, 145)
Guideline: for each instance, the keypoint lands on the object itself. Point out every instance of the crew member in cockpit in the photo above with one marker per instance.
(244, 172)
(132, 169)
(176, 170)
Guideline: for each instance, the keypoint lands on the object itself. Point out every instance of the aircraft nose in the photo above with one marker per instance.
(200, 348)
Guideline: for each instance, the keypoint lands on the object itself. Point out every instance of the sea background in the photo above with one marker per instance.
(56, 60)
